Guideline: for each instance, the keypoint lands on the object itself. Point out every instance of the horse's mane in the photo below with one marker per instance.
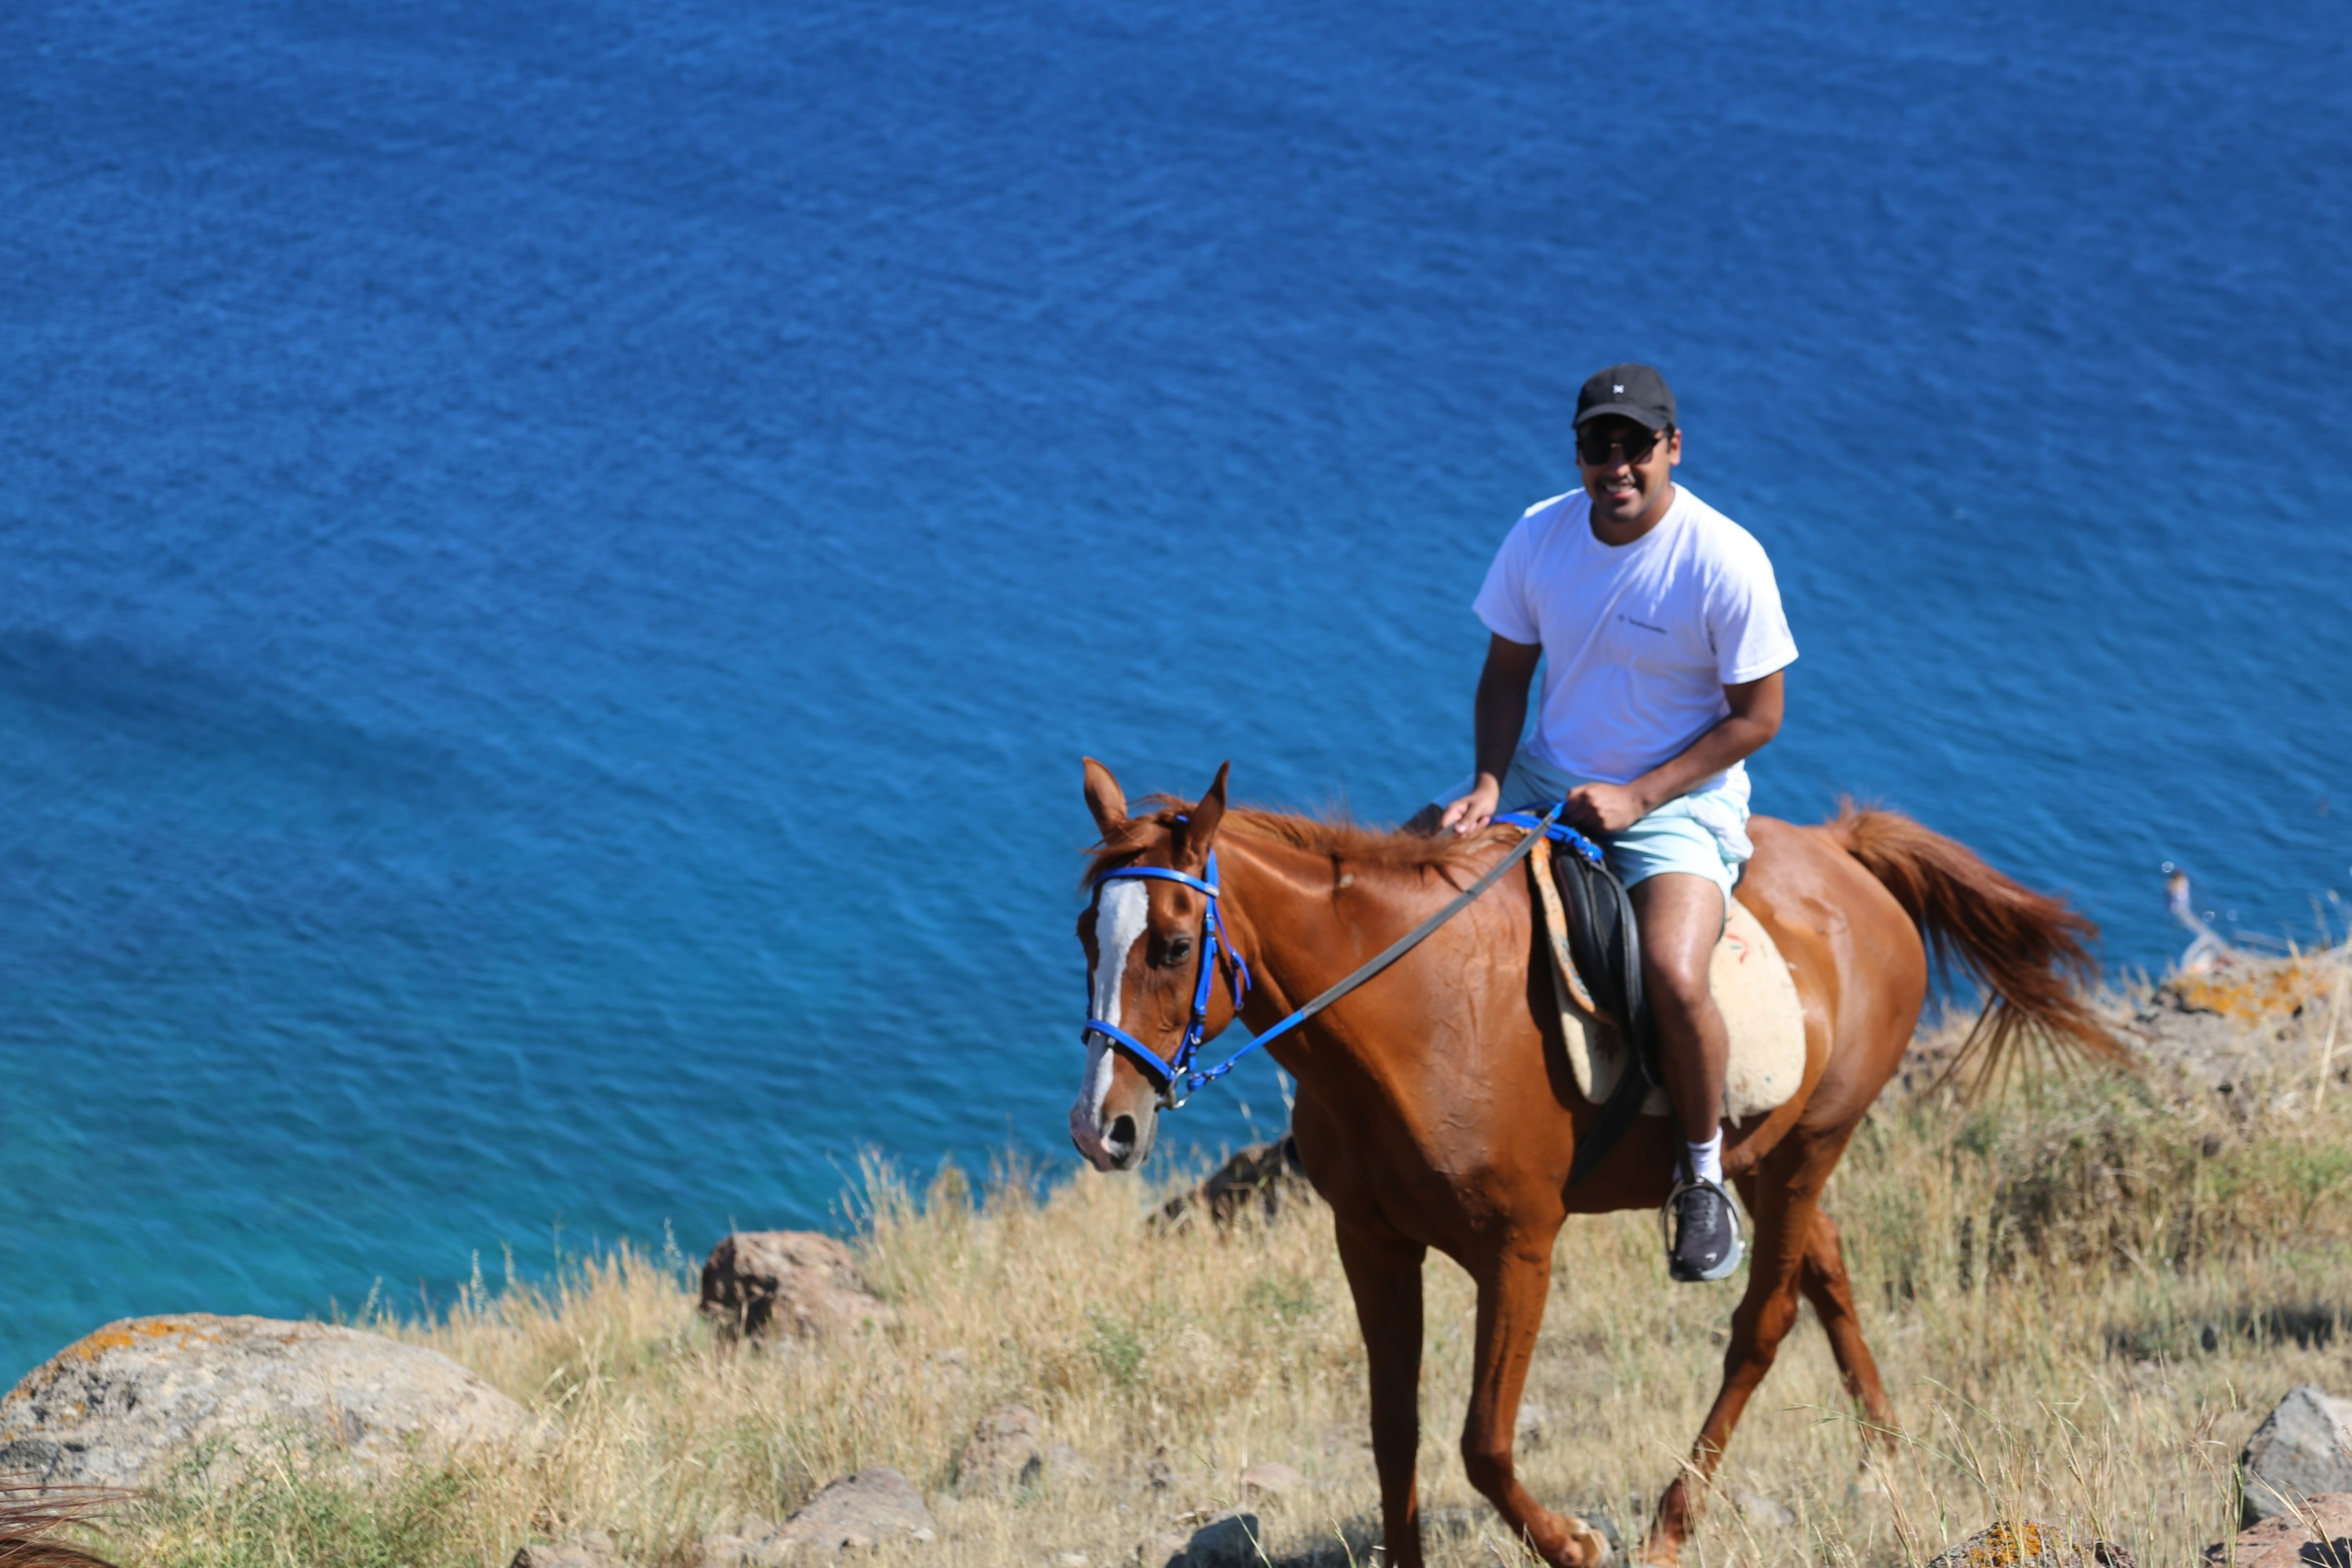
(1336, 836)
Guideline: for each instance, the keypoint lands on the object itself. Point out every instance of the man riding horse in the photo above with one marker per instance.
(1666, 643)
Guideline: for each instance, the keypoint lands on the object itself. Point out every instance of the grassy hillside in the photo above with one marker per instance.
(2083, 1295)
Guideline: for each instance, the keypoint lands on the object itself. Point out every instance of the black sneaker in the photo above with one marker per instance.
(1707, 1232)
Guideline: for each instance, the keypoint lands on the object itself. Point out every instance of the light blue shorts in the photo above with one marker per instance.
(1703, 833)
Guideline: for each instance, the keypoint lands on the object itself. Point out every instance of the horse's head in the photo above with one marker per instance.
(1147, 938)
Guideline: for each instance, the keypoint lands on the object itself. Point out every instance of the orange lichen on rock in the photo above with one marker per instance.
(2255, 992)
(120, 1336)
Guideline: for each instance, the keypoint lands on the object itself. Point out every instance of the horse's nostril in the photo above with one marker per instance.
(1121, 1136)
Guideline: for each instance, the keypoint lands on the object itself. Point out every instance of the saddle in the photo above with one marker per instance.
(1604, 948)
(1605, 1025)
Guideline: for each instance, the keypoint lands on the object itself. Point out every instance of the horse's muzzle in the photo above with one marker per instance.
(1121, 1142)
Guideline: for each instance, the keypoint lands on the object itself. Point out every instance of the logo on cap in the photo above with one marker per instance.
(1616, 391)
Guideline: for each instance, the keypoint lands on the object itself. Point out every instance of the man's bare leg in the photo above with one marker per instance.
(1681, 917)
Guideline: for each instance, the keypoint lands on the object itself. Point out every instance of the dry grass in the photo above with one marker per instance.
(2083, 1300)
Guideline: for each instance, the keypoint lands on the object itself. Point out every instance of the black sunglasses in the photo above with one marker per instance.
(1594, 447)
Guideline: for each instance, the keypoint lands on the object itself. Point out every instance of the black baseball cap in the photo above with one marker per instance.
(1634, 392)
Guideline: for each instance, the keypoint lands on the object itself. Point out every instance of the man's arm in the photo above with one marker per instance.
(1499, 714)
(1754, 719)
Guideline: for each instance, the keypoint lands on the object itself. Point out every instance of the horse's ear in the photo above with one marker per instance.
(1104, 799)
(1200, 829)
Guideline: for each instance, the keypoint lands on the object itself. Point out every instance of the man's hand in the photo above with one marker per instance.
(1605, 807)
(1474, 811)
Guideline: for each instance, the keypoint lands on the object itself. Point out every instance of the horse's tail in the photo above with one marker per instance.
(30, 1519)
(2030, 951)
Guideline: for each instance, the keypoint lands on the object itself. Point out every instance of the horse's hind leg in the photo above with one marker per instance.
(1823, 1279)
(1512, 1284)
(1782, 1203)
(1385, 1276)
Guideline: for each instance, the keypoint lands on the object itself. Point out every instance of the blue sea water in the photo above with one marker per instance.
(557, 561)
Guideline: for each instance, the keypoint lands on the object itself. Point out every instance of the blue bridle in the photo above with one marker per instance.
(1177, 1080)
(1165, 1073)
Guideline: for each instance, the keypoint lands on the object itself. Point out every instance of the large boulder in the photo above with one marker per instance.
(2303, 1447)
(793, 1282)
(118, 1408)
(2289, 1540)
(1266, 1178)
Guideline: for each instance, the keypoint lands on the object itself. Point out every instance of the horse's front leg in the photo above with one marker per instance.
(1383, 1270)
(1512, 1284)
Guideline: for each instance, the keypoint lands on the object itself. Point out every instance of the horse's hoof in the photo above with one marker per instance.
(1591, 1547)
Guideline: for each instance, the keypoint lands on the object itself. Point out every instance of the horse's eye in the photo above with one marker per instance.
(1175, 950)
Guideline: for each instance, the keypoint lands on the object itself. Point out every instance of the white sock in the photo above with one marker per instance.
(1706, 1159)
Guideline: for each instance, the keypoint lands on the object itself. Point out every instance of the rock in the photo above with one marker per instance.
(1272, 1478)
(118, 1408)
(859, 1511)
(2303, 1447)
(1267, 1176)
(1071, 1560)
(1758, 1508)
(722, 1551)
(1003, 1452)
(787, 1282)
(2287, 1539)
(1226, 1541)
(1066, 1463)
(594, 1550)
(2031, 1543)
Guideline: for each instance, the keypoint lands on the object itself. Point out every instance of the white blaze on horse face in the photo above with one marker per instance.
(1121, 911)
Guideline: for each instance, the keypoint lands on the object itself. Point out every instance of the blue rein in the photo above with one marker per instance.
(1176, 1077)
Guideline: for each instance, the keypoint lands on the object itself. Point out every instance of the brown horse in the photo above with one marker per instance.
(1437, 1108)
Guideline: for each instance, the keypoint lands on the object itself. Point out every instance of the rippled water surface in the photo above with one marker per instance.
(559, 560)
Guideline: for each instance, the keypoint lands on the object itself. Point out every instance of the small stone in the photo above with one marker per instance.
(735, 1552)
(857, 1511)
(1758, 1508)
(2287, 1539)
(1527, 1430)
(1071, 1560)
(1067, 1463)
(1272, 1478)
(592, 1550)
(2303, 1447)
(1003, 1452)
(2031, 1543)
(793, 1282)
(1226, 1541)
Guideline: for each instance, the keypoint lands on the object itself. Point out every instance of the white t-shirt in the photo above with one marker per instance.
(1639, 639)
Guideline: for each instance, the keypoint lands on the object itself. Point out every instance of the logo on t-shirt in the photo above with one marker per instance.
(1644, 625)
